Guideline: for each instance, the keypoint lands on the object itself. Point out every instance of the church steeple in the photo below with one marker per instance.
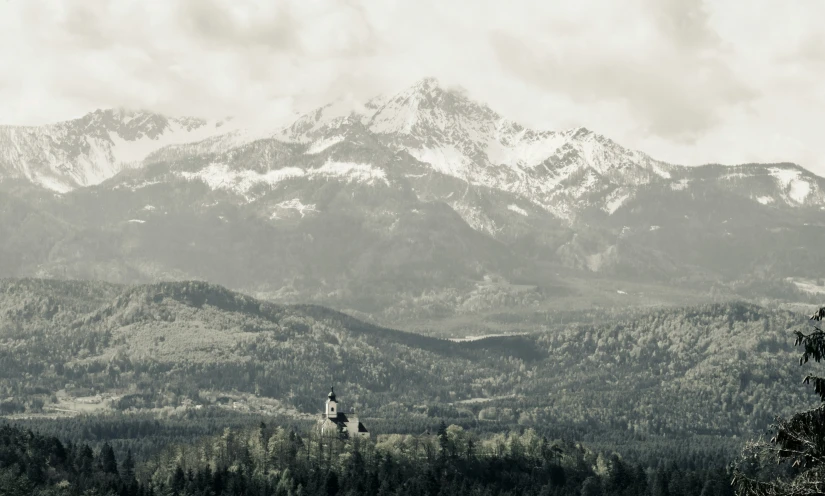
(332, 405)
(344, 425)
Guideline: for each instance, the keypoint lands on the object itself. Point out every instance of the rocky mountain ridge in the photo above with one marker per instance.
(561, 172)
(423, 203)
(88, 150)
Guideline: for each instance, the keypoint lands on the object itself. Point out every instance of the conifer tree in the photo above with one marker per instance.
(128, 468)
(792, 462)
(108, 462)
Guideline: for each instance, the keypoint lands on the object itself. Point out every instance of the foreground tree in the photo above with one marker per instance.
(792, 462)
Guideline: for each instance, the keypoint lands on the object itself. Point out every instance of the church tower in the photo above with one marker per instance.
(332, 405)
(341, 424)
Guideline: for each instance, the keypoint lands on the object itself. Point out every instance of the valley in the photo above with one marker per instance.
(174, 280)
(292, 248)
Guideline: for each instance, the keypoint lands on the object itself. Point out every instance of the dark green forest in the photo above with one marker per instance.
(189, 388)
(277, 461)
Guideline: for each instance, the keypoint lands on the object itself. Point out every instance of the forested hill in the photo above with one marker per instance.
(29, 304)
(92, 347)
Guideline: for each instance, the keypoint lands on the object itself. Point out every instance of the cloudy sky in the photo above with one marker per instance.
(687, 81)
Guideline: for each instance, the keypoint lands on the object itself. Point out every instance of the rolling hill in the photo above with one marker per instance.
(718, 369)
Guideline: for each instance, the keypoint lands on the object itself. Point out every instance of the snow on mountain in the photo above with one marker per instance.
(323, 144)
(562, 172)
(772, 184)
(792, 184)
(350, 172)
(513, 144)
(401, 162)
(230, 135)
(93, 148)
(321, 123)
(461, 138)
(680, 185)
(293, 206)
(476, 217)
(615, 200)
(515, 208)
(445, 133)
(222, 176)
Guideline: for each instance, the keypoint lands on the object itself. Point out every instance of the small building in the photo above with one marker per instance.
(345, 425)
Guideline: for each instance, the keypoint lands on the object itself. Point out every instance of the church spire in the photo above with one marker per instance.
(332, 404)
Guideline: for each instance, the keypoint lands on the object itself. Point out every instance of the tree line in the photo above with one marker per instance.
(278, 461)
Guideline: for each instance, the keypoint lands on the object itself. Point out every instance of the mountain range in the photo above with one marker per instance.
(420, 204)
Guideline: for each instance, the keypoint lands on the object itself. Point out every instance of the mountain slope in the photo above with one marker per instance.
(457, 137)
(562, 172)
(266, 218)
(421, 204)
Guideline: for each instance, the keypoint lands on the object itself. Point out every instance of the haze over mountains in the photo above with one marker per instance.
(419, 204)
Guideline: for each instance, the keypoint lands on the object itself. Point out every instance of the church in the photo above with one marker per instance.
(345, 425)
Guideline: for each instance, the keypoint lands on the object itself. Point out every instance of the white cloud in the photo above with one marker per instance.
(686, 81)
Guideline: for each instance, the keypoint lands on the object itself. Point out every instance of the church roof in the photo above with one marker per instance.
(341, 420)
(339, 417)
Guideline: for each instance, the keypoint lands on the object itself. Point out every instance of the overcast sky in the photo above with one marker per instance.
(686, 81)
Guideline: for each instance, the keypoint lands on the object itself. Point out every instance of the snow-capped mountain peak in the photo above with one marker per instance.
(559, 171)
(90, 149)
(426, 108)
(442, 128)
